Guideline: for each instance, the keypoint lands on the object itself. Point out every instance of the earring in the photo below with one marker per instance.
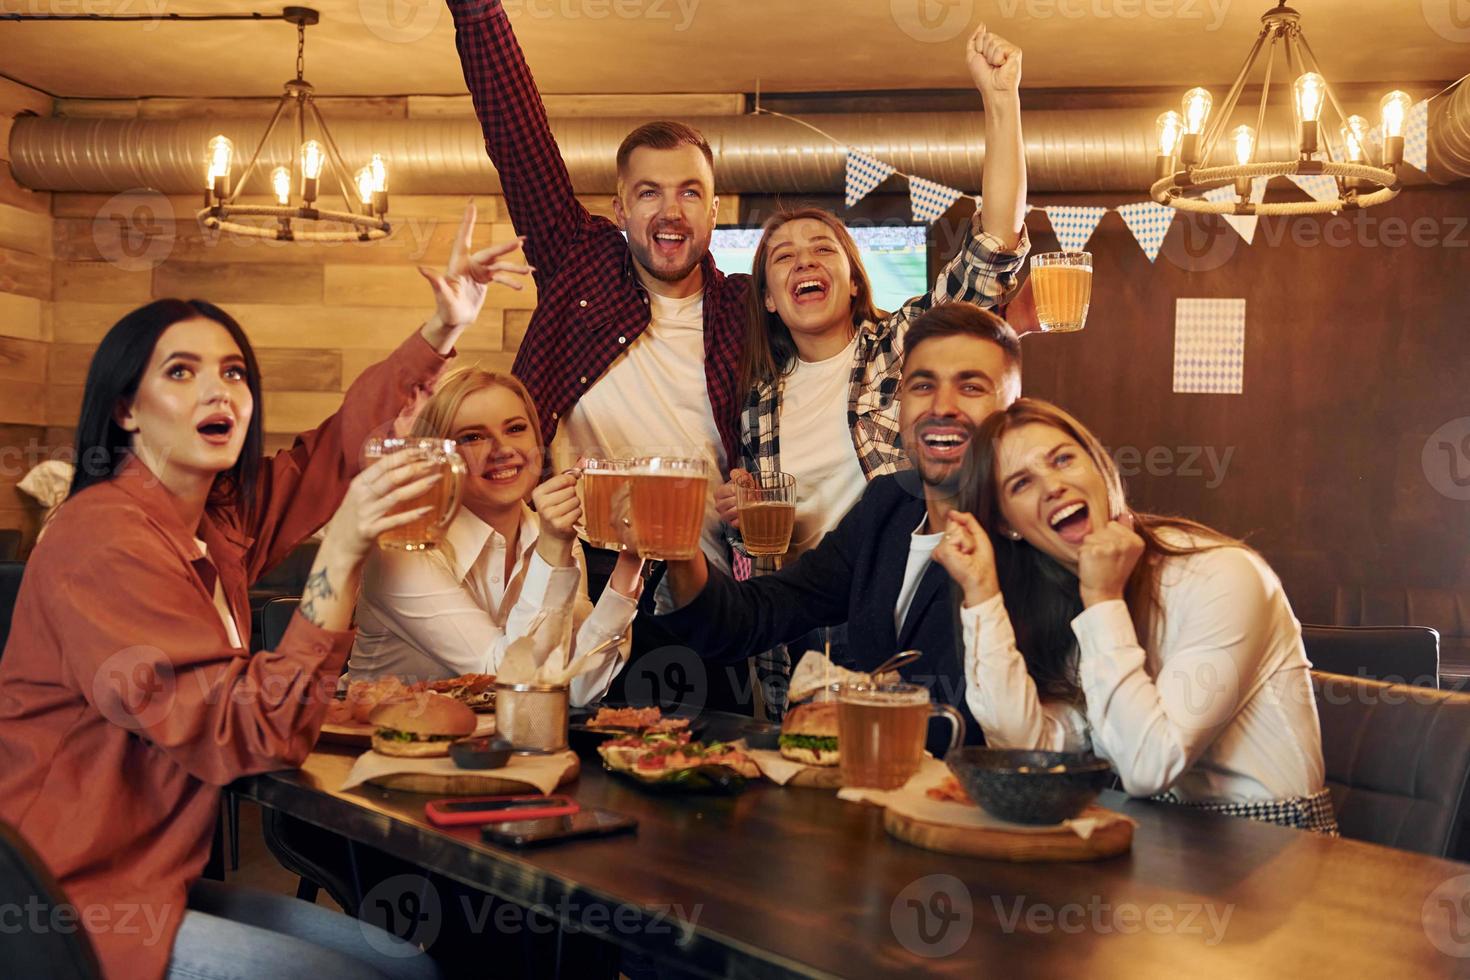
(1014, 535)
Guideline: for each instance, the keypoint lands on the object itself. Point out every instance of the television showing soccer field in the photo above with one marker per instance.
(896, 257)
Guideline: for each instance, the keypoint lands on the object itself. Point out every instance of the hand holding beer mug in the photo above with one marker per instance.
(668, 498)
(1061, 284)
(441, 499)
(766, 503)
(602, 479)
(881, 731)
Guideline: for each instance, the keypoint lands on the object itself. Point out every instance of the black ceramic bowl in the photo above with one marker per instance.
(1029, 786)
(485, 752)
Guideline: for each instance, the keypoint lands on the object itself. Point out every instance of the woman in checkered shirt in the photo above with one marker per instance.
(1164, 646)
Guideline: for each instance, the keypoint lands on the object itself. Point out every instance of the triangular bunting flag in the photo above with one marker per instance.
(1149, 223)
(1244, 224)
(1416, 137)
(863, 174)
(930, 200)
(1319, 186)
(1073, 224)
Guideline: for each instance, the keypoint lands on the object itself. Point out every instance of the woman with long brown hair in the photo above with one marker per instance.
(1162, 645)
(452, 611)
(821, 362)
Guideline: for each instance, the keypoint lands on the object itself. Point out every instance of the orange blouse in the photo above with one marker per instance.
(123, 706)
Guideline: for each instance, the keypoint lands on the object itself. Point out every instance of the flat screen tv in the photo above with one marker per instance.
(896, 257)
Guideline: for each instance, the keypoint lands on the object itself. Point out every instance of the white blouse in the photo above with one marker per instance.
(1216, 707)
(423, 617)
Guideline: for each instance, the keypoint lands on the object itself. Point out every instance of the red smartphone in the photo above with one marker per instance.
(472, 810)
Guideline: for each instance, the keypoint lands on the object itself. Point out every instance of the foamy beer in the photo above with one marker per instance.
(1061, 283)
(669, 494)
(767, 506)
(881, 732)
(442, 498)
(601, 480)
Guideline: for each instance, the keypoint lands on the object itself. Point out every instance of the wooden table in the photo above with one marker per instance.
(780, 882)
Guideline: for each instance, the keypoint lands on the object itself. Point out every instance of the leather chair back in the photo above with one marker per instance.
(10, 576)
(1397, 759)
(1395, 654)
(60, 949)
(275, 616)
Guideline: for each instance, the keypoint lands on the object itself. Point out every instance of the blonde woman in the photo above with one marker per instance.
(429, 615)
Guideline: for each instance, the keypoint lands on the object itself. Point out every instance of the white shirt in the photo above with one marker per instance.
(423, 616)
(222, 605)
(921, 552)
(1216, 707)
(816, 446)
(654, 399)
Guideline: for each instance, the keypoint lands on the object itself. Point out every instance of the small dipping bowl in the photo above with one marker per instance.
(485, 752)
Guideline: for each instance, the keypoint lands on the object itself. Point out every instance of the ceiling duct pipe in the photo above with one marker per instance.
(1067, 150)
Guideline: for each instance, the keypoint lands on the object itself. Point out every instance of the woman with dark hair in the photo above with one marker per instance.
(1164, 646)
(128, 693)
(821, 362)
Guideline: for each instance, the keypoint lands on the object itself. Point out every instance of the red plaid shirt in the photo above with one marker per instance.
(592, 306)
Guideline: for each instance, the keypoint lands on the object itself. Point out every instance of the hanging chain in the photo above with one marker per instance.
(300, 50)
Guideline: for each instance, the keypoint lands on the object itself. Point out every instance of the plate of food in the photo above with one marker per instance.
(474, 691)
(672, 762)
(590, 728)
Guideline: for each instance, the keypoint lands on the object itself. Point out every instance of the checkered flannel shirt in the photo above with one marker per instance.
(982, 272)
(591, 305)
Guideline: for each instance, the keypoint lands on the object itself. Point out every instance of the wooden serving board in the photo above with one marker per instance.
(817, 777)
(471, 782)
(361, 734)
(1112, 837)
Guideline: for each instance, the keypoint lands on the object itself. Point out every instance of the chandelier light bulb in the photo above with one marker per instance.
(379, 171)
(1309, 91)
(221, 152)
(1395, 108)
(312, 159)
(1170, 126)
(1355, 138)
(364, 181)
(281, 184)
(1243, 141)
(1197, 105)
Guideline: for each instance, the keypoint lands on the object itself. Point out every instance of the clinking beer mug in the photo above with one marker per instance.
(668, 506)
(442, 498)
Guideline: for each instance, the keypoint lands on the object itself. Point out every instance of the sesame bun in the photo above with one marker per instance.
(818, 719)
(432, 719)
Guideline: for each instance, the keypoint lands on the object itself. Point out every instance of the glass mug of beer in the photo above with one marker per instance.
(602, 480)
(1061, 283)
(668, 504)
(442, 498)
(767, 507)
(881, 730)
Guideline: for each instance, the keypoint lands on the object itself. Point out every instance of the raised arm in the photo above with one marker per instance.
(995, 65)
(538, 190)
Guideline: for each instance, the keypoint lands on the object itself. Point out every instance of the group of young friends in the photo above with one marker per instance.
(937, 510)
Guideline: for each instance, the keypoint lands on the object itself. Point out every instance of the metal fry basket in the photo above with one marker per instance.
(533, 717)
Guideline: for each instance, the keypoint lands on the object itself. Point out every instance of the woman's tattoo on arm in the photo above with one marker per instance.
(318, 587)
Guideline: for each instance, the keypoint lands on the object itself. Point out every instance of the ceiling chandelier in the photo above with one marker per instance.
(1186, 143)
(365, 221)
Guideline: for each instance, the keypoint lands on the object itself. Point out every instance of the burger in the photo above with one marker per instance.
(809, 734)
(421, 727)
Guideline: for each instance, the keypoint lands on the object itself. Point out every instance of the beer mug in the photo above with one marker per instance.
(442, 499)
(669, 494)
(881, 730)
(1061, 284)
(602, 480)
(767, 507)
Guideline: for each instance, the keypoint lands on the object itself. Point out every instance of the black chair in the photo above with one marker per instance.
(1398, 758)
(286, 579)
(1394, 654)
(10, 576)
(25, 884)
(9, 544)
(275, 616)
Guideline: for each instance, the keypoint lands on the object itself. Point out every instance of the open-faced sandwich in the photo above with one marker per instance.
(809, 734)
(656, 757)
(420, 728)
(643, 720)
(474, 691)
